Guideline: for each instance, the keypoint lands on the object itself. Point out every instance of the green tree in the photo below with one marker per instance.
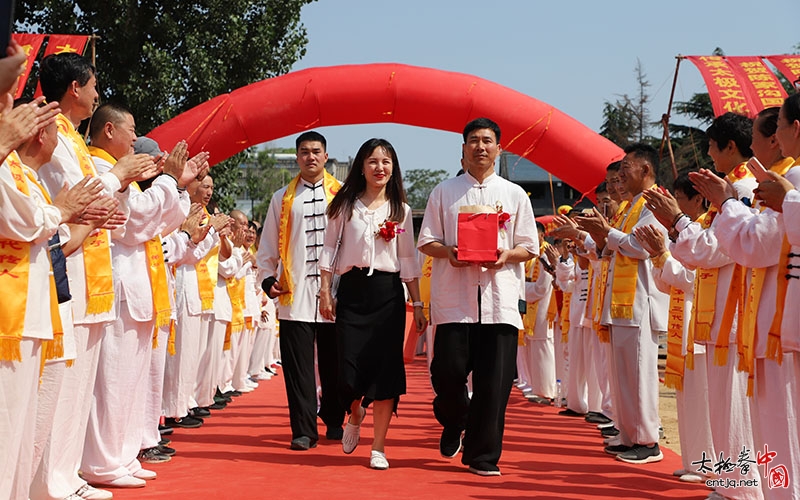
(163, 57)
(263, 179)
(419, 183)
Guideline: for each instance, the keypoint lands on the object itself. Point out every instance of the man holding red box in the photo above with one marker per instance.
(475, 296)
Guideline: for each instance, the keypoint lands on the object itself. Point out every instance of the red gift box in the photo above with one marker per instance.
(477, 237)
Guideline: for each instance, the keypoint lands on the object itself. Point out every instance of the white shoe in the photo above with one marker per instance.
(603, 426)
(145, 475)
(246, 389)
(691, 477)
(250, 383)
(377, 460)
(680, 472)
(87, 492)
(352, 434)
(262, 375)
(125, 482)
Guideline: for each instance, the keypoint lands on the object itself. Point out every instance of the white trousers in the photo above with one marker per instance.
(731, 427)
(634, 366)
(579, 369)
(242, 360)
(694, 418)
(155, 391)
(774, 408)
(19, 382)
(116, 422)
(601, 351)
(180, 370)
(258, 356)
(523, 375)
(543, 367)
(57, 474)
(209, 371)
(562, 358)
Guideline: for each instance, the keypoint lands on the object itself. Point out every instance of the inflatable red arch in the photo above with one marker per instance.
(394, 93)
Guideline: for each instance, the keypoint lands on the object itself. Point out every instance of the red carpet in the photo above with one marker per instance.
(243, 453)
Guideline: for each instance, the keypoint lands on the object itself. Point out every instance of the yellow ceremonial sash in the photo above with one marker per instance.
(673, 374)
(331, 187)
(425, 281)
(96, 247)
(739, 172)
(154, 251)
(14, 275)
(565, 306)
(552, 309)
(603, 333)
(203, 269)
(626, 271)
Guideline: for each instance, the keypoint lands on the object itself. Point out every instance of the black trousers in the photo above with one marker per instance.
(297, 358)
(490, 353)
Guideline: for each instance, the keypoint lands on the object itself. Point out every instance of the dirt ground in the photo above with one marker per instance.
(668, 411)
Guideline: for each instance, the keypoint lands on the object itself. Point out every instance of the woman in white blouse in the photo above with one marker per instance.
(376, 254)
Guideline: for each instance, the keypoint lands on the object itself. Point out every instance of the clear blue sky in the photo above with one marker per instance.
(573, 55)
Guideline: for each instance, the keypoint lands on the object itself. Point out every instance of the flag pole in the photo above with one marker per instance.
(665, 122)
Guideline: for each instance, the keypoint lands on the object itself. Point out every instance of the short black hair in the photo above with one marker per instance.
(311, 136)
(732, 127)
(768, 123)
(613, 166)
(481, 123)
(58, 71)
(645, 152)
(112, 112)
(602, 188)
(684, 185)
(791, 107)
(540, 227)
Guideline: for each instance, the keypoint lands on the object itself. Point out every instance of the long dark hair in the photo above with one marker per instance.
(355, 183)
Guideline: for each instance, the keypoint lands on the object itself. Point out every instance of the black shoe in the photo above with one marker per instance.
(232, 394)
(270, 371)
(641, 454)
(484, 469)
(609, 432)
(597, 418)
(616, 449)
(185, 422)
(570, 413)
(217, 406)
(334, 433)
(302, 443)
(199, 412)
(165, 430)
(451, 442)
(153, 456)
(222, 399)
(164, 442)
(165, 450)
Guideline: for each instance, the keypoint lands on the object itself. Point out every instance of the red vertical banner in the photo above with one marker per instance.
(58, 44)
(31, 43)
(758, 81)
(788, 65)
(724, 89)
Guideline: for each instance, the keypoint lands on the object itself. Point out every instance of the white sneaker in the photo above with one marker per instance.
(262, 375)
(125, 482)
(144, 474)
(87, 492)
(377, 460)
(352, 434)
(691, 477)
(245, 389)
(250, 383)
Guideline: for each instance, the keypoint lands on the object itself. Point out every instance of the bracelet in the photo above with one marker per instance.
(677, 218)
(418, 304)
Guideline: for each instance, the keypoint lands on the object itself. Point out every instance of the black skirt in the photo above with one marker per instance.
(370, 320)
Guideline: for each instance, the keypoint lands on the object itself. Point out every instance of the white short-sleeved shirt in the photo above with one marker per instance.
(455, 291)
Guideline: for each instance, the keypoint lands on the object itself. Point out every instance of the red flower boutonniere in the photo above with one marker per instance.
(388, 230)
(502, 217)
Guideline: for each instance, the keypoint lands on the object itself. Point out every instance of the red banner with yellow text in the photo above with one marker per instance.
(758, 81)
(724, 89)
(58, 44)
(788, 65)
(31, 43)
